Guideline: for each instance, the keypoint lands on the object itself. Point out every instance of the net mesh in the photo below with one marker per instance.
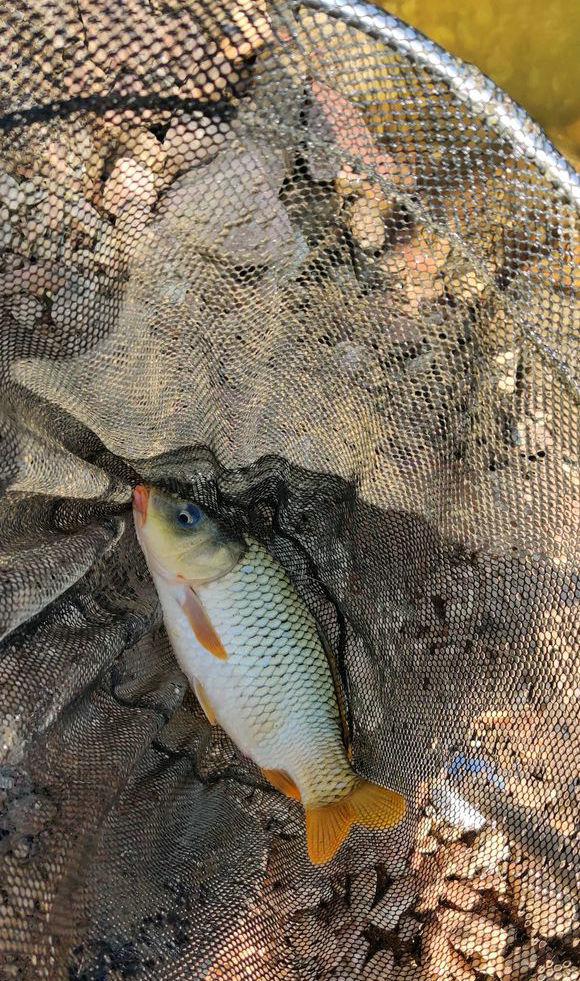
(292, 260)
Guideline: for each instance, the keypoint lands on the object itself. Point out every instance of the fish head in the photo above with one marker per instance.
(180, 541)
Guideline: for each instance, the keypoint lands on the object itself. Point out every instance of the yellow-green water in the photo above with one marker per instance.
(531, 48)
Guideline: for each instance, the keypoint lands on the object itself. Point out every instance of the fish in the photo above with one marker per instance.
(259, 666)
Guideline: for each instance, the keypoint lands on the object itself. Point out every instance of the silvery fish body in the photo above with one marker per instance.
(274, 695)
(253, 655)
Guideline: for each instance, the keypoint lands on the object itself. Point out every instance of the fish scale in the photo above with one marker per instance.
(275, 691)
(251, 649)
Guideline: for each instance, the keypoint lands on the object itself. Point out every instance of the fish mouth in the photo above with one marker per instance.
(140, 501)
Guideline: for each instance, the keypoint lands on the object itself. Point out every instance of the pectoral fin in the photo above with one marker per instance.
(201, 695)
(282, 782)
(202, 625)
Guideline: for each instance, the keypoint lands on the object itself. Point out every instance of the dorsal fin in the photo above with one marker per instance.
(341, 699)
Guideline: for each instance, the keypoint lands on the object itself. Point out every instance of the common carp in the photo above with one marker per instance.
(253, 654)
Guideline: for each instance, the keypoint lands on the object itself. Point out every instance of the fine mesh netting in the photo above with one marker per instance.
(293, 261)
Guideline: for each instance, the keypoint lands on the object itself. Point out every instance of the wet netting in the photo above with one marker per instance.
(294, 261)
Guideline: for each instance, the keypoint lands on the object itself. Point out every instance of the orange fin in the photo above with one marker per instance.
(326, 829)
(367, 804)
(282, 782)
(375, 807)
(202, 625)
(201, 695)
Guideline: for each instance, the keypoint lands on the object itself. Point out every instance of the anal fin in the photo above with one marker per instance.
(282, 782)
(201, 625)
(202, 697)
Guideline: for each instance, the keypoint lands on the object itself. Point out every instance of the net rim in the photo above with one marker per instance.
(468, 83)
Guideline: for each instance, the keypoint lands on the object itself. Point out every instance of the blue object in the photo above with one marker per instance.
(462, 765)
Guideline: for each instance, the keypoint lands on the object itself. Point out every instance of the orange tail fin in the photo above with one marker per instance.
(367, 804)
(376, 807)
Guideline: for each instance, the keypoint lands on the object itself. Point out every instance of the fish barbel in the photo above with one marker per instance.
(252, 652)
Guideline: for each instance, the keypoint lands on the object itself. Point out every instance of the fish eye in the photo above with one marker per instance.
(189, 516)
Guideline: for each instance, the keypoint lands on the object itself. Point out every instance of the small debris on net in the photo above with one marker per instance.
(553, 971)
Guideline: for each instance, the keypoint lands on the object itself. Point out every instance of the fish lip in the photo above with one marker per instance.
(140, 502)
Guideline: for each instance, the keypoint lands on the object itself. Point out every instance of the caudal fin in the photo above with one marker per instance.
(369, 805)
(375, 807)
(326, 829)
